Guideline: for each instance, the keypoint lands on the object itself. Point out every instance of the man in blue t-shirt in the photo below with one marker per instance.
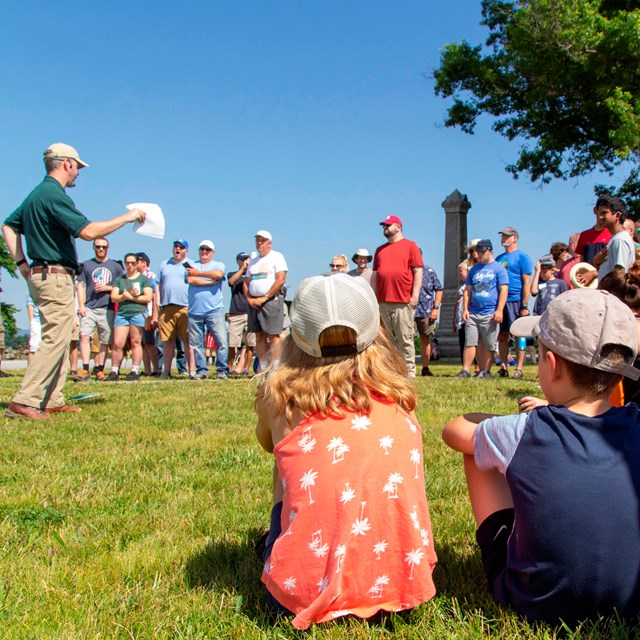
(172, 296)
(206, 311)
(484, 298)
(519, 268)
(554, 488)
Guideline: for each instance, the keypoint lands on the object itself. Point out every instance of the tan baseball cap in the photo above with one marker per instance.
(62, 150)
(579, 323)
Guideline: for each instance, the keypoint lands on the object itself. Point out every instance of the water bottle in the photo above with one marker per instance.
(522, 343)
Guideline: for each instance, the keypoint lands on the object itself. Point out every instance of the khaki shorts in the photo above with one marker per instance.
(173, 322)
(75, 334)
(238, 334)
(426, 326)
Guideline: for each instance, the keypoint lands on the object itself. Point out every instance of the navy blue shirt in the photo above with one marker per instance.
(574, 552)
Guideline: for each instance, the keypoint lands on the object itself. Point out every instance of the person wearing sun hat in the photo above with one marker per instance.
(350, 528)
(554, 488)
(49, 221)
(362, 258)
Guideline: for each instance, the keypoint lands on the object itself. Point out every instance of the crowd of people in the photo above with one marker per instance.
(553, 488)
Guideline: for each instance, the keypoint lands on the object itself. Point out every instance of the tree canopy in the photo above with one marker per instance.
(562, 77)
(8, 311)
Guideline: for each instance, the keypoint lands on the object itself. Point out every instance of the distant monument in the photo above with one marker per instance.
(456, 205)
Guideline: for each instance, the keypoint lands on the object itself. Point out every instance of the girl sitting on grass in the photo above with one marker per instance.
(350, 529)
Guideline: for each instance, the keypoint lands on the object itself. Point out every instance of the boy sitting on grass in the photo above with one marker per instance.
(555, 492)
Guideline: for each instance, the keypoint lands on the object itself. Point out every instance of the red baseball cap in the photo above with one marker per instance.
(392, 220)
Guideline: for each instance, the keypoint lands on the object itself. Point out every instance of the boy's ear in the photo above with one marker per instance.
(556, 365)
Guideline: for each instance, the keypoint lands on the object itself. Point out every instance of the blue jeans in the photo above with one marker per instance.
(215, 324)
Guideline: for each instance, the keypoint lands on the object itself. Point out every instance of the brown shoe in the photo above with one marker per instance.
(100, 375)
(16, 410)
(65, 408)
(82, 376)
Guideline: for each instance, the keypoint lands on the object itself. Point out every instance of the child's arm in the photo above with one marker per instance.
(458, 434)
(534, 281)
(263, 428)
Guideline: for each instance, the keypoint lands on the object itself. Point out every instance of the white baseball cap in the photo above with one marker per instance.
(334, 300)
(263, 234)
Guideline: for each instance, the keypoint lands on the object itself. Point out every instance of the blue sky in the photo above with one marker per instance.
(314, 120)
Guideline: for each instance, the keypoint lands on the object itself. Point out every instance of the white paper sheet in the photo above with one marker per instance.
(154, 224)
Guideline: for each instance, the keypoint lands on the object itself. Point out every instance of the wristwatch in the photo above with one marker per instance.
(436, 306)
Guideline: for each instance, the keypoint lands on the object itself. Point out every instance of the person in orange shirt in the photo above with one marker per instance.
(350, 528)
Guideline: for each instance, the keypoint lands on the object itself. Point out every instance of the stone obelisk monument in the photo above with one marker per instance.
(456, 205)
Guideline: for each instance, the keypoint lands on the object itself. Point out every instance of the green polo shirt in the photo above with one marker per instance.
(49, 221)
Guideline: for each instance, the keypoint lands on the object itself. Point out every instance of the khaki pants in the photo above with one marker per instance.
(399, 319)
(45, 376)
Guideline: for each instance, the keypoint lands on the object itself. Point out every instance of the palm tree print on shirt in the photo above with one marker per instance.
(339, 554)
(322, 584)
(386, 443)
(360, 423)
(414, 454)
(411, 425)
(319, 550)
(413, 558)
(290, 584)
(361, 525)
(339, 448)
(348, 494)
(307, 442)
(378, 586)
(391, 487)
(379, 548)
(307, 481)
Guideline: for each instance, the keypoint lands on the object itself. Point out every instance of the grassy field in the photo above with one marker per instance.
(136, 519)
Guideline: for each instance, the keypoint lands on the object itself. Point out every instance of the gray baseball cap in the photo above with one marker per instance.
(579, 323)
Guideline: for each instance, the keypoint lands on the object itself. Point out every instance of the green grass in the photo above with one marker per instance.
(136, 519)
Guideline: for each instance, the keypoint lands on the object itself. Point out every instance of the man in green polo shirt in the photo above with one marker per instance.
(49, 221)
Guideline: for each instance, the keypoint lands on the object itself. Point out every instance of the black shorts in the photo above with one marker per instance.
(492, 537)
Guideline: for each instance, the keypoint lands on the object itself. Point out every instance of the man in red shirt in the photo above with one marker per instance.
(592, 241)
(397, 278)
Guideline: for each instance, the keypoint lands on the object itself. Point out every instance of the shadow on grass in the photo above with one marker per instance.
(231, 565)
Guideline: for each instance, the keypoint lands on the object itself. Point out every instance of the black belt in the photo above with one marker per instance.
(53, 269)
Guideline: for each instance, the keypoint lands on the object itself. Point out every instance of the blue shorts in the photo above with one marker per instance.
(510, 314)
(135, 321)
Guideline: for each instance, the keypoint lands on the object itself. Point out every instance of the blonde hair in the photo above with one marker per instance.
(329, 385)
(341, 257)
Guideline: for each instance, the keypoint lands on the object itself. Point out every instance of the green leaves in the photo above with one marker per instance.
(560, 76)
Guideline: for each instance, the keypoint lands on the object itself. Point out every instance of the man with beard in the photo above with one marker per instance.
(49, 221)
(397, 271)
